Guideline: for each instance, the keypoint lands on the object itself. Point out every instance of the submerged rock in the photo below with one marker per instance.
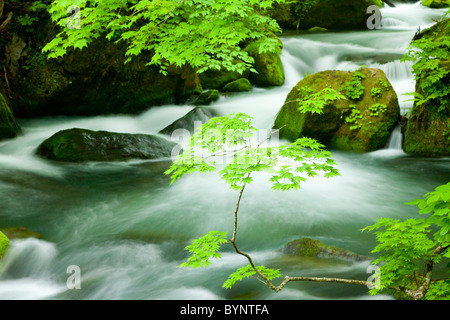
(9, 127)
(79, 145)
(207, 97)
(307, 247)
(362, 122)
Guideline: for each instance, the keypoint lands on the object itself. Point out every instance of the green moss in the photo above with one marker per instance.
(208, 97)
(9, 127)
(436, 3)
(317, 29)
(307, 247)
(355, 125)
(238, 85)
(269, 67)
(217, 79)
(4, 244)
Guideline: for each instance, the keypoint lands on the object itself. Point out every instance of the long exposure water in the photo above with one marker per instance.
(126, 227)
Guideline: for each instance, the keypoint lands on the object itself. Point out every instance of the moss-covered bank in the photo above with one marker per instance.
(9, 127)
(428, 127)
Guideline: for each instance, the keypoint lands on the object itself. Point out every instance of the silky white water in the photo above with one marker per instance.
(125, 226)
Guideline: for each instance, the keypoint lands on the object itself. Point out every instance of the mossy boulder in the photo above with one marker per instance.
(80, 145)
(207, 97)
(329, 14)
(9, 127)
(269, 67)
(4, 244)
(91, 81)
(307, 247)
(361, 124)
(428, 127)
(239, 85)
(436, 3)
(217, 79)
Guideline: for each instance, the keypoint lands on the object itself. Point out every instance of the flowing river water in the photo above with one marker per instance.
(125, 227)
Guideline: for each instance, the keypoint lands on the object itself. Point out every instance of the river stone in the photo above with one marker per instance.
(269, 67)
(307, 247)
(4, 244)
(239, 85)
(9, 127)
(330, 127)
(428, 130)
(207, 97)
(79, 145)
(188, 122)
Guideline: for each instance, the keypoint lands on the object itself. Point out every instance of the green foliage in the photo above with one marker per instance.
(376, 109)
(427, 54)
(26, 20)
(249, 271)
(354, 117)
(300, 9)
(376, 92)
(205, 248)
(315, 102)
(354, 88)
(204, 34)
(405, 246)
(231, 139)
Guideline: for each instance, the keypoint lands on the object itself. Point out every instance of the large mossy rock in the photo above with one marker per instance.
(80, 145)
(4, 244)
(307, 247)
(428, 128)
(269, 67)
(329, 14)
(9, 127)
(376, 112)
(436, 3)
(239, 85)
(91, 81)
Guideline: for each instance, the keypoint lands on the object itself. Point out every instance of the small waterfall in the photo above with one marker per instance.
(396, 140)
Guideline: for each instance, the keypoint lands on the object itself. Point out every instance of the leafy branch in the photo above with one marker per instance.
(203, 34)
